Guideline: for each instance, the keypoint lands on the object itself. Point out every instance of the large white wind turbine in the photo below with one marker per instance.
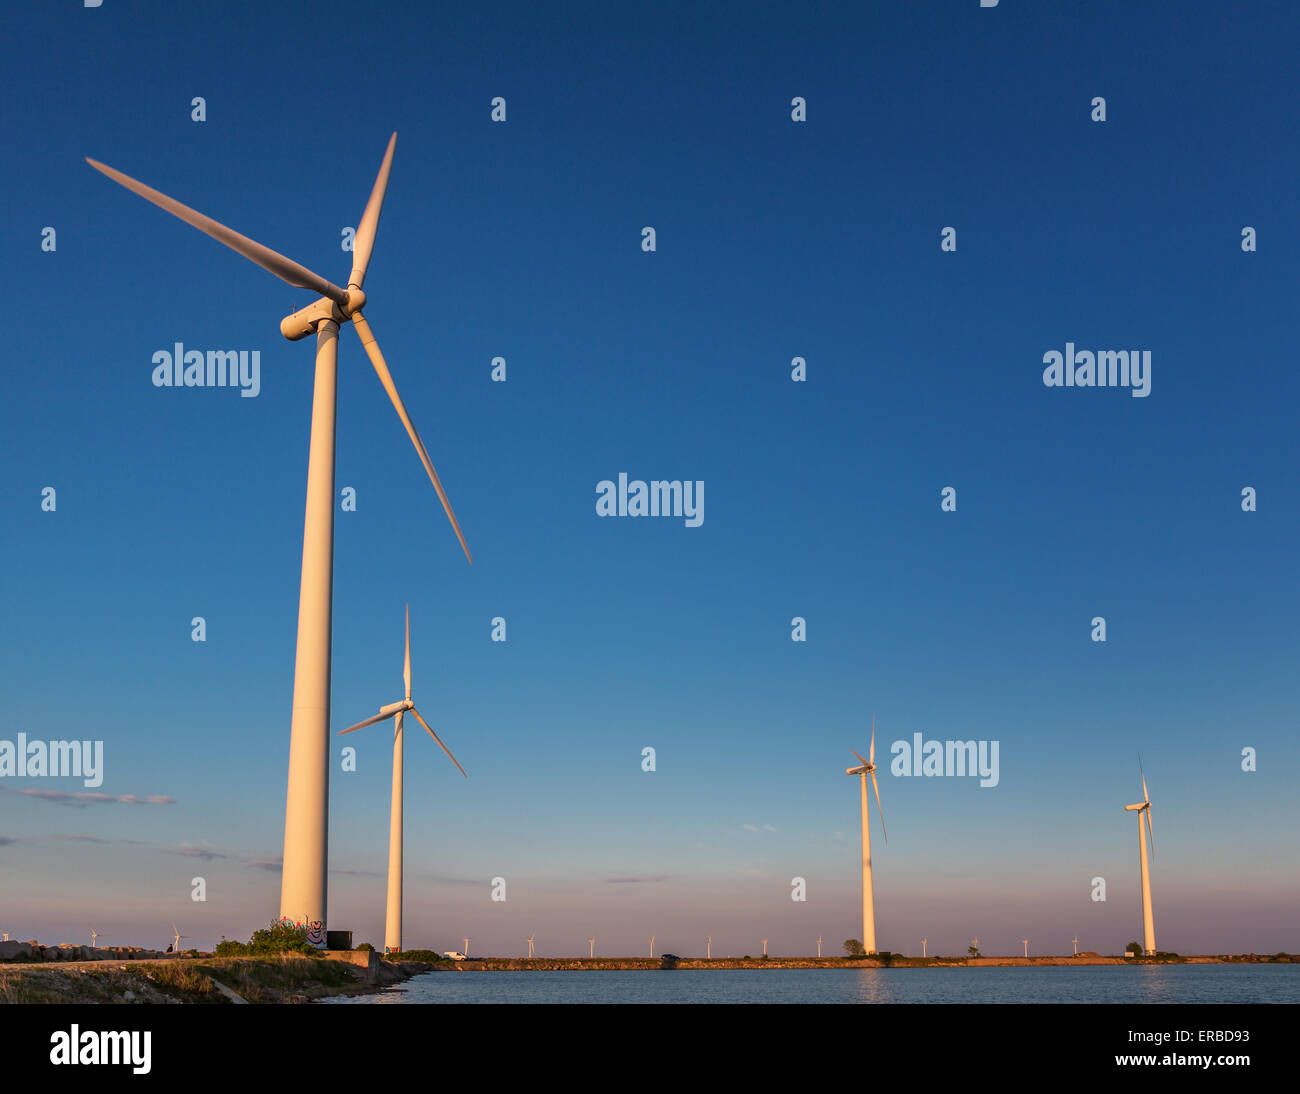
(176, 939)
(868, 767)
(530, 939)
(306, 822)
(94, 938)
(1141, 808)
(396, 711)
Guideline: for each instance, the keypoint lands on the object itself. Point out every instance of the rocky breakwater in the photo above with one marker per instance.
(33, 951)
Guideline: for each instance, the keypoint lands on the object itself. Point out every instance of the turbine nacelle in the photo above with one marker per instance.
(1139, 805)
(304, 321)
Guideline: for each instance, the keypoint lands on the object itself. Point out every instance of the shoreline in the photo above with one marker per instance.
(577, 964)
(287, 978)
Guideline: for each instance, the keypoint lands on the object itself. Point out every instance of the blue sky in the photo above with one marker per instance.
(774, 239)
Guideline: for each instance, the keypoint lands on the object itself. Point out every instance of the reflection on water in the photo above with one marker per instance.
(1052, 984)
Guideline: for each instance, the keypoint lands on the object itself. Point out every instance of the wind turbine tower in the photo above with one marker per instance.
(1143, 808)
(868, 768)
(529, 940)
(397, 711)
(306, 822)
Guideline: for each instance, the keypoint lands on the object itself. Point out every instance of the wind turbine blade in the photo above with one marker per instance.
(284, 268)
(1145, 796)
(386, 378)
(873, 738)
(860, 759)
(439, 740)
(1150, 834)
(364, 241)
(362, 725)
(406, 665)
(878, 806)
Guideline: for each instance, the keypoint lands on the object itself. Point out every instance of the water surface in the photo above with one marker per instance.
(1050, 984)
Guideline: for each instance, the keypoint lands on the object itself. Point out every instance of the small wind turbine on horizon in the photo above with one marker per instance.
(819, 946)
(922, 947)
(306, 825)
(652, 945)
(176, 939)
(397, 711)
(1076, 945)
(592, 943)
(1026, 942)
(1144, 808)
(94, 935)
(708, 949)
(465, 951)
(868, 767)
(529, 940)
(765, 947)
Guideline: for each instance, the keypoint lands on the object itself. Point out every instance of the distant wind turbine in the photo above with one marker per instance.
(529, 940)
(765, 947)
(819, 946)
(868, 767)
(592, 943)
(306, 827)
(708, 952)
(466, 950)
(1144, 808)
(1076, 945)
(652, 945)
(94, 934)
(176, 939)
(1026, 942)
(922, 947)
(397, 711)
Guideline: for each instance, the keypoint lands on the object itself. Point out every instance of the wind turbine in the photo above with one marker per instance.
(819, 946)
(1026, 942)
(94, 934)
(765, 947)
(1076, 945)
(466, 950)
(922, 947)
(592, 943)
(176, 939)
(652, 945)
(868, 900)
(529, 940)
(1141, 808)
(708, 952)
(396, 711)
(6, 934)
(306, 820)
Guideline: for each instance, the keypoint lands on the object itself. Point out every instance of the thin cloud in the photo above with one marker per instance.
(196, 852)
(635, 880)
(5, 841)
(274, 865)
(81, 800)
(749, 827)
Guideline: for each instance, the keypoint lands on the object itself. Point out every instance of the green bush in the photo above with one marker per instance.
(366, 946)
(277, 938)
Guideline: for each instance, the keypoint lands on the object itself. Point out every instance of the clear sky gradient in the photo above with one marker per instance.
(775, 239)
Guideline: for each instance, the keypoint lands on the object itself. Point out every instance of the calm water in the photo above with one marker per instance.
(1090, 984)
